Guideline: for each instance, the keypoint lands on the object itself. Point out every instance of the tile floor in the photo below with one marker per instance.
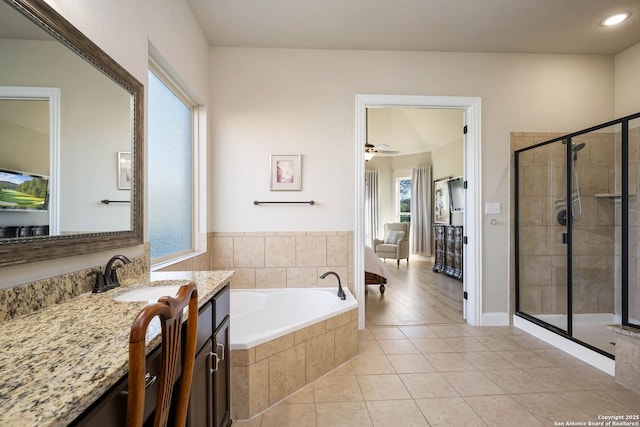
(429, 368)
(453, 375)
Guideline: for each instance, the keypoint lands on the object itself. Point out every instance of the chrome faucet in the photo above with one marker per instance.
(109, 279)
(341, 293)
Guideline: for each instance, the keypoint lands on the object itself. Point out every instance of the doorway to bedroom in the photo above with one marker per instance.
(415, 273)
(410, 149)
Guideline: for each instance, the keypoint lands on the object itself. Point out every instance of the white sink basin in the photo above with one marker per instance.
(151, 293)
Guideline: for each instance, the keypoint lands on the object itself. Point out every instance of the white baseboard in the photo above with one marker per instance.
(495, 319)
(591, 357)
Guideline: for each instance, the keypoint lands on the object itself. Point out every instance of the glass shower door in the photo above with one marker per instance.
(633, 256)
(541, 230)
(577, 232)
(595, 251)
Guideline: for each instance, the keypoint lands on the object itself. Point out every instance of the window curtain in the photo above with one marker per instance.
(371, 217)
(421, 210)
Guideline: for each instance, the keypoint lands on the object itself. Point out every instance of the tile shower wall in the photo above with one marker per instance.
(283, 259)
(543, 256)
(594, 238)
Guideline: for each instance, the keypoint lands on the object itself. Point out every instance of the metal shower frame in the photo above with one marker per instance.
(624, 196)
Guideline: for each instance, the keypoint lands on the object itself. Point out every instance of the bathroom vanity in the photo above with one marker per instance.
(67, 364)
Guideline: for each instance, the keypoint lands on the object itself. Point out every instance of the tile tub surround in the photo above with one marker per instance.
(264, 375)
(30, 297)
(57, 361)
(283, 259)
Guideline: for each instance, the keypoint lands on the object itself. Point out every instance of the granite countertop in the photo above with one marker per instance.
(56, 362)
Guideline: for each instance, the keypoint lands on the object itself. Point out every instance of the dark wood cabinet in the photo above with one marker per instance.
(201, 400)
(222, 377)
(210, 400)
(449, 249)
(111, 408)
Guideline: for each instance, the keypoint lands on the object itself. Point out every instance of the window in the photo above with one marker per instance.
(404, 199)
(171, 178)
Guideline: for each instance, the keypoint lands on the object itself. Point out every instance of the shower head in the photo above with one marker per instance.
(575, 147)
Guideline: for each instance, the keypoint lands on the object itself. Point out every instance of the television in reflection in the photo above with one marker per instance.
(456, 194)
(23, 191)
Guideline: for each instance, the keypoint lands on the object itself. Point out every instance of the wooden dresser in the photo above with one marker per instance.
(449, 249)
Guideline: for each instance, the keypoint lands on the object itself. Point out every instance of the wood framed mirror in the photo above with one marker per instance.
(84, 147)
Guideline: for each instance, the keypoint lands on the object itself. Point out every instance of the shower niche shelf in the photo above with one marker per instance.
(611, 195)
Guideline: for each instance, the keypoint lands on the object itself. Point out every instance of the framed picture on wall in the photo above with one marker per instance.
(124, 170)
(286, 173)
(441, 210)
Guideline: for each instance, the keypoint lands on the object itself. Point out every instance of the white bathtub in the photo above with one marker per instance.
(261, 315)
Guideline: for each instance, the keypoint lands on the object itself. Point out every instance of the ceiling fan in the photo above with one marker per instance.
(371, 150)
(379, 149)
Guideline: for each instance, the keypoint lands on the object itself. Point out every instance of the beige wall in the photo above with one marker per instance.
(26, 125)
(448, 160)
(627, 81)
(303, 101)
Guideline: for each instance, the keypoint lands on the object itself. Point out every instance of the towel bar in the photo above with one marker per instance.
(310, 202)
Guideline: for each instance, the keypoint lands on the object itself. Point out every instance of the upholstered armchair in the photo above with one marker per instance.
(396, 242)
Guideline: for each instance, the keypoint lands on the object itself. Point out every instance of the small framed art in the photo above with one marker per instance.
(441, 209)
(286, 172)
(124, 170)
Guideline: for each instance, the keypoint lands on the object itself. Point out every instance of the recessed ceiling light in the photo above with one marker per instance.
(615, 19)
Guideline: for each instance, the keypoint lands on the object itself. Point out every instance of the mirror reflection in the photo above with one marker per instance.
(65, 138)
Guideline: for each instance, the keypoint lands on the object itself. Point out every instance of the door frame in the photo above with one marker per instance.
(52, 96)
(472, 265)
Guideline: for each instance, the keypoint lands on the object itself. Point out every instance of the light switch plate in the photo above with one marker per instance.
(492, 208)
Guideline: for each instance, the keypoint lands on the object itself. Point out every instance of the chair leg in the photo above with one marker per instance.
(398, 262)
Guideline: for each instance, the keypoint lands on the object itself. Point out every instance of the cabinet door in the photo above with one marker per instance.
(222, 377)
(201, 398)
(111, 409)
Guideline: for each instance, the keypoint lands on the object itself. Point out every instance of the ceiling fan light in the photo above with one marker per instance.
(614, 19)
